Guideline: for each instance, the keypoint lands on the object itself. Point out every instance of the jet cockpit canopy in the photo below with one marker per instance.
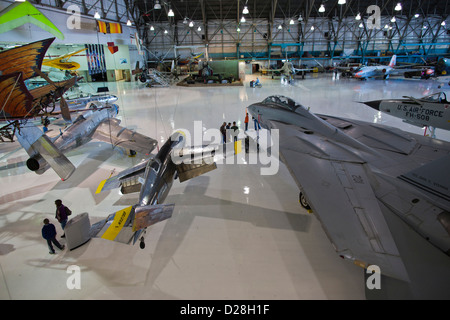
(439, 97)
(284, 102)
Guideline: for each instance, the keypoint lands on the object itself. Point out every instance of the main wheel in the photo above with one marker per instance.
(303, 202)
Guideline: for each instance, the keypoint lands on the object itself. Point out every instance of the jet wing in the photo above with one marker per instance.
(350, 215)
(123, 225)
(35, 143)
(111, 132)
(130, 180)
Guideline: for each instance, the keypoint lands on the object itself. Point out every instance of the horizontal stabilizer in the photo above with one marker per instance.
(111, 132)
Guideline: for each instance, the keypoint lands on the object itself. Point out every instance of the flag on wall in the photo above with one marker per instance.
(109, 27)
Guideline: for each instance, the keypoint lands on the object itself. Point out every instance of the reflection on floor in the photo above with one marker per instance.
(234, 234)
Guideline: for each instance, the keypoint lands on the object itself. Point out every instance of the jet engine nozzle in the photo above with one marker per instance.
(36, 162)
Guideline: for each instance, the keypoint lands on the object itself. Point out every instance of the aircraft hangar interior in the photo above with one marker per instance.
(224, 150)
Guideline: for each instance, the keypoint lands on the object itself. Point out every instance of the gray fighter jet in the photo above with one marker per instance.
(97, 122)
(432, 111)
(153, 179)
(381, 194)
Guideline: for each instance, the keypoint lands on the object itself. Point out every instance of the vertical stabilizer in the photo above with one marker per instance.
(393, 61)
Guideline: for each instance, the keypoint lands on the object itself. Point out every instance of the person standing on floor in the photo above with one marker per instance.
(246, 121)
(49, 234)
(62, 214)
(228, 126)
(223, 131)
(235, 131)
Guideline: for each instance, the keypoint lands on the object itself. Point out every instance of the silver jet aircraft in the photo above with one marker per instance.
(95, 123)
(153, 180)
(381, 194)
(432, 111)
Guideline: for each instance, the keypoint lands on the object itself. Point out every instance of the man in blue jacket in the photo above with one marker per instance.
(49, 234)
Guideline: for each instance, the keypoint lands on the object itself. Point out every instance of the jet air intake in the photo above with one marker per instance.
(35, 163)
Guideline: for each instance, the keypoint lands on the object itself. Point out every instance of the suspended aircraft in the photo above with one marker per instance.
(153, 179)
(98, 121)
(62, 62)
(382, 195)
(432, 111)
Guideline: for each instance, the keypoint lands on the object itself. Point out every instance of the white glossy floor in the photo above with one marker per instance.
(234, 234)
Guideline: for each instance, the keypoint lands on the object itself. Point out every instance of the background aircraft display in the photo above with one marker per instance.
(97, 122)
(287, 70)
(381, 194)
(153, 180)
(432, 111)
(62, 62)
(383, 72)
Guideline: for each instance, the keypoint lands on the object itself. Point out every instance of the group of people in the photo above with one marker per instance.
(49, 230)
(229, 132)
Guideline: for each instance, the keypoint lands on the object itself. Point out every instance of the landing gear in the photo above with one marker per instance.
(303, 202)
(142, 243)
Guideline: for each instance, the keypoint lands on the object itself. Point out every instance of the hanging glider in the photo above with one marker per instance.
(20, 13)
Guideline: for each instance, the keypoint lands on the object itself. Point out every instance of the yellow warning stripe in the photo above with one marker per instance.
(100, 186)
(117, 225)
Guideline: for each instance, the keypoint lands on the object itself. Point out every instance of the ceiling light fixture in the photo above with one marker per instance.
(166, 32)
(358, 17)
(322, 8)
(245, 11)
(157, 5)
(292, 21)
(199, 29)
(312, 28)
(280, 27)
(191, 24)
(152, 28)
(393, 19)
(128, 22)
(342, 2)
(242, 19)
(398, 7)
(443, 23)
(97, 15)
(361, 25)
(170, 13)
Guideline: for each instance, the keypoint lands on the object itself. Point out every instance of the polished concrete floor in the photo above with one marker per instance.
(234, 234)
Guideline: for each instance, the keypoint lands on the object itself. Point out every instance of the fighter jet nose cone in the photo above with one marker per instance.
(375, 104)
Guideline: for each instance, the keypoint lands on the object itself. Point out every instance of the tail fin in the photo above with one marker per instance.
(393, 61)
